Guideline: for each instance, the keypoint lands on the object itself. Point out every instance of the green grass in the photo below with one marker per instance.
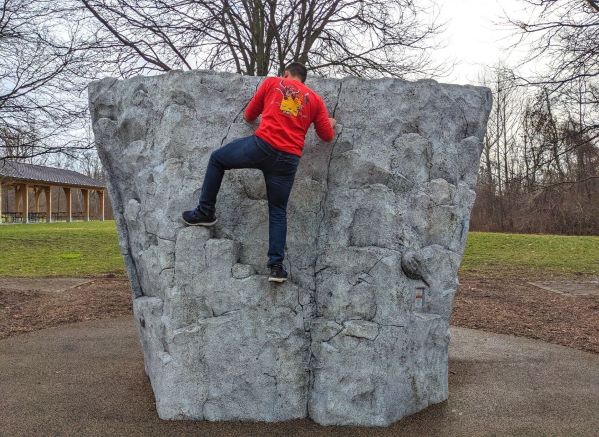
(91, 248)
(492, 253)
(59, 249)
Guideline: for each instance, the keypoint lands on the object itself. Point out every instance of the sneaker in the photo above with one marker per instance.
(197, 218)
(277, 273)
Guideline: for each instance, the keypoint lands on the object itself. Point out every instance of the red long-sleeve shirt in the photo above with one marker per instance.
(288, 107)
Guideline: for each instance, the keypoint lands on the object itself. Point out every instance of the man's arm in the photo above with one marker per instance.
(324, 125)
(256, 105)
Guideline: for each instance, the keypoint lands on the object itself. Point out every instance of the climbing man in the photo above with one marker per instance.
(288, 108)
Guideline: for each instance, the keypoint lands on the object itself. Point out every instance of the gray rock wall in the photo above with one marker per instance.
(377, 225)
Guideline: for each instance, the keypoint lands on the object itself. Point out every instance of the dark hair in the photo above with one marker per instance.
(297, 69)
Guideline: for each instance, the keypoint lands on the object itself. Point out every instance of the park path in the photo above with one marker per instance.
(87, 378)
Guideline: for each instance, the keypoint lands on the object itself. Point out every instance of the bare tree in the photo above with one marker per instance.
(542, 173)
(18, 143)
(500, 157)
(40, 68)
(258, 37)
(565, 33)
(539, 168)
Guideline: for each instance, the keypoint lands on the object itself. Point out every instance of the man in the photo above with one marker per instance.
(288, 108)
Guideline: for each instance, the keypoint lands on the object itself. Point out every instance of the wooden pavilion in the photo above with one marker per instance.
(26, 178)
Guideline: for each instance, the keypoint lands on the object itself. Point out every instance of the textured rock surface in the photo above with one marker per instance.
(377, 224)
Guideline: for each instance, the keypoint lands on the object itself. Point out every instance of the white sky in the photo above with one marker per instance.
(476, 35)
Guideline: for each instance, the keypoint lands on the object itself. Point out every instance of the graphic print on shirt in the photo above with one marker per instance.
(292, 101)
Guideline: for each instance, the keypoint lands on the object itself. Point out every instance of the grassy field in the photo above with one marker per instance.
(491, 253)
(80, 249)
(59, 249)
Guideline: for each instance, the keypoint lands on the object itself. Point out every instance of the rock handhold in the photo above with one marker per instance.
(377, 225)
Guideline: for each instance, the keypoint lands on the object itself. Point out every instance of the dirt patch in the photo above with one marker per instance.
(45, 284)
(581, 288)
(25, 305)
(510, 305)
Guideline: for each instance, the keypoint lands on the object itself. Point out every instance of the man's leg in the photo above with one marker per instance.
(242, 153)
(278, 189)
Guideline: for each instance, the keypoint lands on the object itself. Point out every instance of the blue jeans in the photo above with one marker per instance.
(279, 173)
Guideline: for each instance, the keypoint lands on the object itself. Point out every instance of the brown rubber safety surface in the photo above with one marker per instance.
(87, 378)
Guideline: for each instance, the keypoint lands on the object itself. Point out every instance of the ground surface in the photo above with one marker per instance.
(51, 379)
(87, 379)
(511, 305)
(33, 304)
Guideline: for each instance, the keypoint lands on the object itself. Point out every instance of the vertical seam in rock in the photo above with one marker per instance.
(317, 245)
(338, 94)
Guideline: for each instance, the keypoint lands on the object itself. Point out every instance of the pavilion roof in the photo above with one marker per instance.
(46, 175)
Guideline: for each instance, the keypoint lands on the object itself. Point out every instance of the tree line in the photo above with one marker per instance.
(540, 162)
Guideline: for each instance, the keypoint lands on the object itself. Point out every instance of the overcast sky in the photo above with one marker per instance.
(476, 35)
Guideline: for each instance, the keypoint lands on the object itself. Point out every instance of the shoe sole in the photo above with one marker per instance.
(273, 279)
(206, 224)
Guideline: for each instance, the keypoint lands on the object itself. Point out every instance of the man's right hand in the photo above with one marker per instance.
(333, 122)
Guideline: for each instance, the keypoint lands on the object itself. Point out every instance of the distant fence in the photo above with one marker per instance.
(39, 217)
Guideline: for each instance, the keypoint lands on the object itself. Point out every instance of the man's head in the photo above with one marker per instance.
(296, 71)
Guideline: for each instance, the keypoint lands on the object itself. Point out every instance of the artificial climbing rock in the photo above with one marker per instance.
(378, 220)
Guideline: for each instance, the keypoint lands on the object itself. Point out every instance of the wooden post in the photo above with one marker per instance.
(85, 203)
(25, 192)
(0, 202)
(67, 193)
(37, 191)
(48, 192)
(101, 196)
(17, 198)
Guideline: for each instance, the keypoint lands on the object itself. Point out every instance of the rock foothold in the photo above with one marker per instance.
(356, 336)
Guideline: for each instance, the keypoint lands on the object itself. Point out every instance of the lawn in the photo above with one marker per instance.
(59, 249)
(90, 248)
(491, 253)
